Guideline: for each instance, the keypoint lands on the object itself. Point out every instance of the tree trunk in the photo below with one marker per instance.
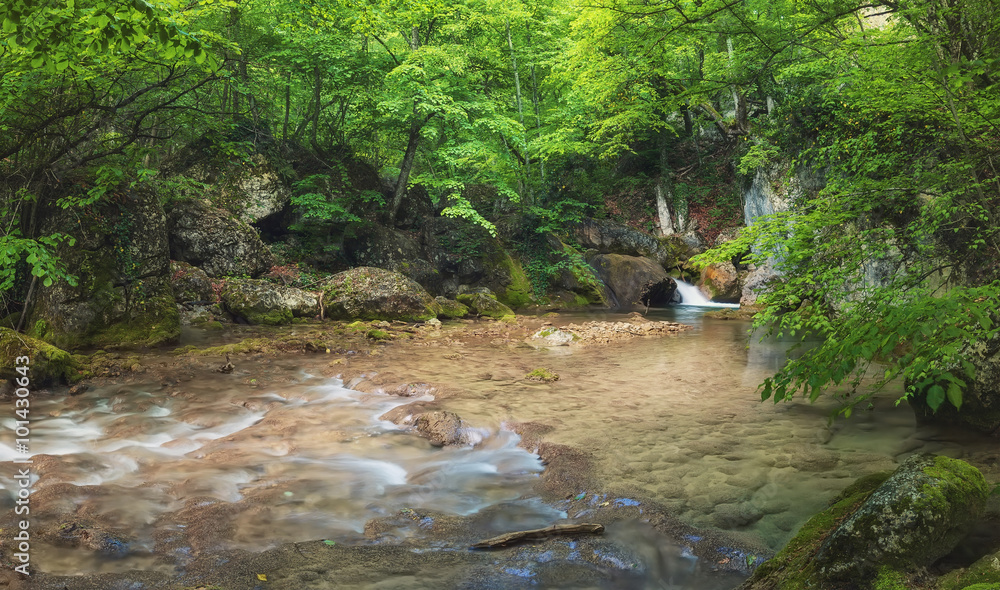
(288, 107)
(664, 190)
(413, 141)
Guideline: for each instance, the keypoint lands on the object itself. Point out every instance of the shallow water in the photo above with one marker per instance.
(675, 420)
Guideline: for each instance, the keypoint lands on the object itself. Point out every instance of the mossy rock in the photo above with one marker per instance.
(450, 309)
(485, 304)
(267, 304)
(370, 293)
(881, 531)
(984, 574)
(542, 374)
(518, 292)
(48, 364)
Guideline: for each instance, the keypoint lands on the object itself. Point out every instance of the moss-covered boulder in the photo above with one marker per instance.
(484, 303)
(47, 363)
(450, 309)
(190, 283)
(879, 531)
(215, 241)
(626, 276)
(268, 304)
(123, 296)
(720, 282)
(610, 237)
(377, 294)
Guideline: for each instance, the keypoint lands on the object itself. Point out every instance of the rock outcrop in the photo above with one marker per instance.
(216, 241)
(756, 283)
(190, 283)
(881, 527)
(123, 296)
(261, 302)
(376, 294)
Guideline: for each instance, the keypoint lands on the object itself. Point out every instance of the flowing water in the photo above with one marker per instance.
(674, 420)
(691, 295)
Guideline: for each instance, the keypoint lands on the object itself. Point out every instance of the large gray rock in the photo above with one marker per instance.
(757, 283)
(215, 241)
(609, 237)
(261, 302)
(254, 192)
(626, 276)
(377, 294)
(123, 296)
(484, 303)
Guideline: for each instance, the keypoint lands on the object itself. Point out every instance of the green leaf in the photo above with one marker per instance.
(935, 397)
(955, 395)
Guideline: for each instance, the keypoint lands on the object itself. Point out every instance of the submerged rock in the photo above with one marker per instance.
(377, 294)
(216, 241)
(881, 526)
(261, 302)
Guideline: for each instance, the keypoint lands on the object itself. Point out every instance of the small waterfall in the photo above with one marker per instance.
(691, 295)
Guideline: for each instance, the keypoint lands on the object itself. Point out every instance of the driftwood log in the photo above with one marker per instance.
(540, 534)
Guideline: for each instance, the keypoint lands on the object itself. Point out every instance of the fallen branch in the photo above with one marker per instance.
(540, 534)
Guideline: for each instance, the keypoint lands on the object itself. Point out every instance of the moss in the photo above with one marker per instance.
(376, 334)
(962, 483)
(864, 483)
(274, 317)
(518, 293)
(485, 304)
(542, 374)
(889, 579)
(159, 323)
(213, 326)
(984, 586)
(509, 319)
(243, 346)
(794, 568)
(47, 363)
(451, 309)
(983, 573)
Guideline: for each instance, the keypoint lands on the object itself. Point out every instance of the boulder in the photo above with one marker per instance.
(450, 309)
(980, 398)
(190, 283)
(47, 363)
(261, 302)
(609, 237)
(466, 255)
(720, 282)
(377, 294)
(756, 283)
(484, 303)
(215, 241)
(123, 296)
(881, 526)
(254, 192)
(626, 276)
(440, 428)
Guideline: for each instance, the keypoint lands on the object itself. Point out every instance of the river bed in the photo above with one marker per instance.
(281, 451)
